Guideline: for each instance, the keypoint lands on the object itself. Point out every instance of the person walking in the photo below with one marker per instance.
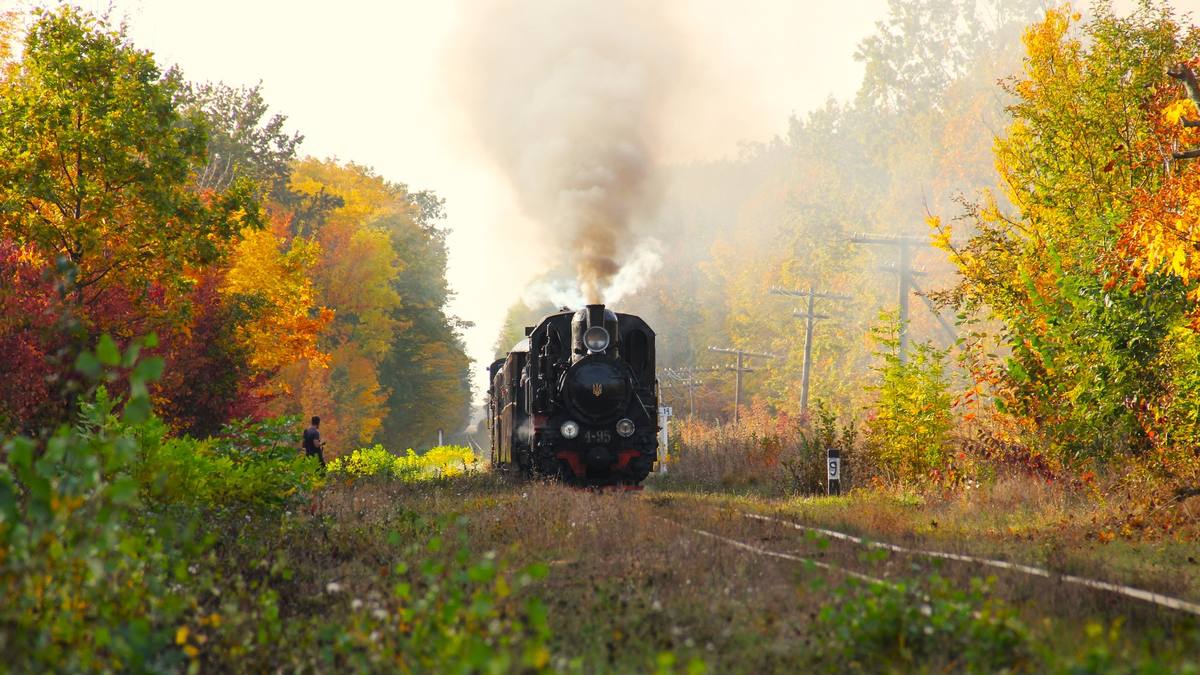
(313, 445)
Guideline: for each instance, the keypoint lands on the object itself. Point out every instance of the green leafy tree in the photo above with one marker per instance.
(242, 140)
(96, 160)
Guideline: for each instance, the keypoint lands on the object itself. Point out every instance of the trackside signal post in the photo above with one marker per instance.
(664, 420)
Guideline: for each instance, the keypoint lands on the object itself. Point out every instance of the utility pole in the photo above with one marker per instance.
(739, 369)
(686, 378)
(904, 247)
(950, 333)
(810, 317)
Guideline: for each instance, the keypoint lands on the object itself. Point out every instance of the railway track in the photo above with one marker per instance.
(1142, 595)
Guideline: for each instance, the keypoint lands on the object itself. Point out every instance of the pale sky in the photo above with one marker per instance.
(365, 80)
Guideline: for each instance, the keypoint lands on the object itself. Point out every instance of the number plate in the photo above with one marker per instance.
(597, 436)
(835, 469)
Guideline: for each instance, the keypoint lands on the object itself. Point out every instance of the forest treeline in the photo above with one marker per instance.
(135, 202)
(1032, 153)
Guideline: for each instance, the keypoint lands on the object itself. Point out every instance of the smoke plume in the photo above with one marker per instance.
(567, 96)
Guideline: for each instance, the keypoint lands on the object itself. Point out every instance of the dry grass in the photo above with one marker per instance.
(627, 583)
(1021, 519)
(624, 585)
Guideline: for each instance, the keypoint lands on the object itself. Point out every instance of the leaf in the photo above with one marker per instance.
(8, 500)
(88, 364)
(149, 370)
(107, 352)
(123, 490)
(1017, 371)
(20, 452)
(136, 411)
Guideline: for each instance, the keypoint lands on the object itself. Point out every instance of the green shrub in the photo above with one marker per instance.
(248, 465)
(931, 626)
(84, 586)
(908, 429)
(102, 524)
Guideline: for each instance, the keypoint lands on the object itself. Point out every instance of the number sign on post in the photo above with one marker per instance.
(833, 462)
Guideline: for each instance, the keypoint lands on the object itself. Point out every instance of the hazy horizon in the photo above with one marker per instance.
(750, 70)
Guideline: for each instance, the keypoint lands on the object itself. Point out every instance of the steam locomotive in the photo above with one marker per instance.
(576, 399)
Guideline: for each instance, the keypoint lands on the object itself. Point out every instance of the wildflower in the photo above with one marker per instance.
(356, 604)
(333, 587)
(379, 614)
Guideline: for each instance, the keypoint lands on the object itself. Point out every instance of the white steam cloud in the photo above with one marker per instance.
(634, 274)
(567, 97)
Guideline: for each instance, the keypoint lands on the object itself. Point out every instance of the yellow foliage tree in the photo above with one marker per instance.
(269, 277)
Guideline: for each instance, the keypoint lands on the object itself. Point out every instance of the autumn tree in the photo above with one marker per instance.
(1086, 339)
(96, 161)
(396, 370)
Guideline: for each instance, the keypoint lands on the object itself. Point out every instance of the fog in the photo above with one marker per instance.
(382, 84)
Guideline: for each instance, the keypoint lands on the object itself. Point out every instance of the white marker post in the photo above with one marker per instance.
(833, 461)
(664, 420)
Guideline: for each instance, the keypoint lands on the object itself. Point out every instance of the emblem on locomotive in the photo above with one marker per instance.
(577, 399)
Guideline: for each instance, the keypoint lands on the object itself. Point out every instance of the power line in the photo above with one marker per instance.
(686, 378)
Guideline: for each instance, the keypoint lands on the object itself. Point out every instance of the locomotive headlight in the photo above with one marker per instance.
(569, 429)
(596, 339)
(625, 428)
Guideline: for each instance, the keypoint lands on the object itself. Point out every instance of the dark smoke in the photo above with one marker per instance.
(567, 97)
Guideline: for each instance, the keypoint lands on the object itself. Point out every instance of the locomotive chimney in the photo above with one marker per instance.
(593, 316)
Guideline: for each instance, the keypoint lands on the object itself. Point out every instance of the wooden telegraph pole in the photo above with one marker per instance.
(904, 271)
(810, 318)
(739, 369)
(904, 247)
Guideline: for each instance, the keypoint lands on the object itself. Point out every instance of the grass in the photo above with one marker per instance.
(629, 590)
(468, 571)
